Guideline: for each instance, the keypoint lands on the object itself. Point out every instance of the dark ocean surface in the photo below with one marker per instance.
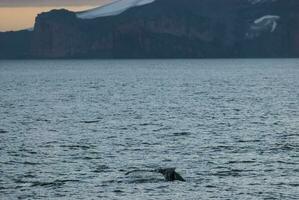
(71, 129)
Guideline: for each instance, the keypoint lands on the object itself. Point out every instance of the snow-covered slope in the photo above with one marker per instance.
(267, 23)
(260, 1)
(119, 6)
(113, 8)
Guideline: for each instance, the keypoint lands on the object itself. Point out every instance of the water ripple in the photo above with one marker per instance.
(72, 129)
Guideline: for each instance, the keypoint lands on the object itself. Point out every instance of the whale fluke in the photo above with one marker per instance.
(169, 173)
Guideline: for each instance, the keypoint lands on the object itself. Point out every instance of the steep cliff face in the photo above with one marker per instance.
(294, 34)
(172, 28)
(56, 35)
(15, 44)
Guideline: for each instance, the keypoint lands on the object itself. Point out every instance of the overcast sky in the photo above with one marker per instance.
(38, 3)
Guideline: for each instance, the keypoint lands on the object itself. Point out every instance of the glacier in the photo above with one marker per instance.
(260, 1)
(119, 6)
(114, 8)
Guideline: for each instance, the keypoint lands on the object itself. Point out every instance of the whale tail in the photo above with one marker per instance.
(169, 173)
(179, 177)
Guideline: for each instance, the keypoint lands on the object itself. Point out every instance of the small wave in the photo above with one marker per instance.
(233, 173)
(90, 121)
(76, 147)
(101, 169)
(284, 147)
(221, 148)
(31, 163)
(145, 180)
(118, 191)
(248, 141)
(162, 129)
(29, 175)
(162, 186)
(146, 143)
(286, 184)
(211, 186)
(89, 158)
(182, 133)
(42, 120)
(109, 182)
(241, 161)
(286, 162)
(254, 184)
(14, 162)
(56, 183)
(112, 137)
(30, 151)
(52, 130)
(148, 124)
(3, 131)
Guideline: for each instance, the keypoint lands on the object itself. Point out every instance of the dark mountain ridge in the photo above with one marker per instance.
(164, 29)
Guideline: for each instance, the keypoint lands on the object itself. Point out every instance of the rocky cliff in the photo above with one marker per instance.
(164, 29)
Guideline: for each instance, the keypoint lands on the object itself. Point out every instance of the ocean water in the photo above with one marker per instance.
(71, 129)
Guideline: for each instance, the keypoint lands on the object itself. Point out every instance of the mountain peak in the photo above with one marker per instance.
(163, 29)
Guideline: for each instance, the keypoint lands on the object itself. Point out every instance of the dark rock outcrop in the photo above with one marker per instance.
(164, 29)
(15, 44)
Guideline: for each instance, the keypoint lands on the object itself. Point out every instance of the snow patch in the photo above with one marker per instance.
(260, 1)
(267, 23)
(114, 8)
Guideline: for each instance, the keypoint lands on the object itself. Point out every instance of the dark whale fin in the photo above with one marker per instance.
(170, 174)
(179, 177)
